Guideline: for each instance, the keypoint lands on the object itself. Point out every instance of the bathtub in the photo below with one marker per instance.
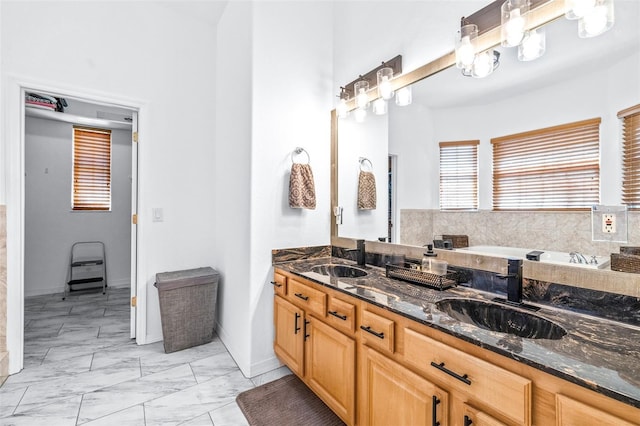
(555, 257)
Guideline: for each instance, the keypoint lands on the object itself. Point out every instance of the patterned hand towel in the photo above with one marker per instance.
(366, 191)
(302, 193)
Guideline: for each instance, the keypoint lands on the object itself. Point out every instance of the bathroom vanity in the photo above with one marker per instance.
(379, 351)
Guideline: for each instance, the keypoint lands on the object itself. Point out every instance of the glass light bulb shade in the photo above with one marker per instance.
(341, 109)
(384, 83)
(360, 88)
(403, 96)
(576, 9)
(513, 21)
(360, 114)
(533, 45)
(466, 40)
(483, 65)
(600, 19)
(379, 106)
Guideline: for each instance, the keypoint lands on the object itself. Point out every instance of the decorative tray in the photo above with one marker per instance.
(425, 279)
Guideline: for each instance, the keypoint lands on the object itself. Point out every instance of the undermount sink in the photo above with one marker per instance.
(501, 318)
(339, 271)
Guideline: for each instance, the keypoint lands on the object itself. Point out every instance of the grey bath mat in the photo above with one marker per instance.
(286, 401)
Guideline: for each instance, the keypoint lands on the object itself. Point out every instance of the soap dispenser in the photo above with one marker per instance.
(427, 258)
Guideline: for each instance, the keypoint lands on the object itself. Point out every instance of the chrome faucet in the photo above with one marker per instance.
(577, 258)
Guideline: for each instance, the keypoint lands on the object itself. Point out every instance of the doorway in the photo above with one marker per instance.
(18, 246)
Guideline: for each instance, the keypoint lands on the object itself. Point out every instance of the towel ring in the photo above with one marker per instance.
(364, 160)
(299, 151)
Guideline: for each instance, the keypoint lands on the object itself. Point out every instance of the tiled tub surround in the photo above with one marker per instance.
(556, 231)
(596, 353)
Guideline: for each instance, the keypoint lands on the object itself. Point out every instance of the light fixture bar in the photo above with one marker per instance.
(395, 64)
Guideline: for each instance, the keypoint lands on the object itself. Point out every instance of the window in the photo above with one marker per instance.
(459, 175)
(631, 156)
(556, 168)
(91, 169)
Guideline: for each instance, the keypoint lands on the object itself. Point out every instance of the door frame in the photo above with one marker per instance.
(15, 202)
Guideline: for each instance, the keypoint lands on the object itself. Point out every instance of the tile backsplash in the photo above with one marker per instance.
(556, 231)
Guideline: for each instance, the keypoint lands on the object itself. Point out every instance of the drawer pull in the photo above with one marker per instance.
(441, 367)
(434, 410)
(375, 333)
(276, 284)
(467, 421)
(295, 326)
(302, 296)
(337, 315)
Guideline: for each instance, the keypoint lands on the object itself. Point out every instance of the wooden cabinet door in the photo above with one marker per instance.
(330, 368)
(570, 412)
(393, 395)
(289, 338)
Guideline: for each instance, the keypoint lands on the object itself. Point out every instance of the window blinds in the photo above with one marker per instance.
(556, 168)
(631, 156)
(91, 169)
(459, 175)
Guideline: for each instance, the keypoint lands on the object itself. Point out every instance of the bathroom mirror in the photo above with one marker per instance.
(575, 79)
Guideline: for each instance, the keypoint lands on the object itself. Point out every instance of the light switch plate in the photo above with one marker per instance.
(158, 214)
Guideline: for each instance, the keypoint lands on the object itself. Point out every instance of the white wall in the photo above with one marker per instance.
(50, 225)
(157, 59)
(275, 97)
(231, 185)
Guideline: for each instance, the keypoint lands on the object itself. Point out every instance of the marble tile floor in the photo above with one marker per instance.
(81, 368)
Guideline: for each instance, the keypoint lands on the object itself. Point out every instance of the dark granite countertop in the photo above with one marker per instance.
(598, 354)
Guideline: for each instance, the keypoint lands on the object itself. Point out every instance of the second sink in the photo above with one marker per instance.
(501, 318)
(339, 271)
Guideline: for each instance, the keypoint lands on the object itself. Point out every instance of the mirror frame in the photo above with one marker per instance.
(541, 15)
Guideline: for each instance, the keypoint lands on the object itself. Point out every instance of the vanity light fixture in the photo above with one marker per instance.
(533, 45)
(597, 20)
(360, 89)
(513, 21)
(384, 77)
(403, 96)
(357, 94)
(466, 40)
(484, 64)
(360, 114)
(576, 9)
(342, 110)
(379, 106)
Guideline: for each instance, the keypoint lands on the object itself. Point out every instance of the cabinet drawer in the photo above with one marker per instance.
(279, 284)
(377, 331)
(341, 315)
(310, 299)
(495, 387)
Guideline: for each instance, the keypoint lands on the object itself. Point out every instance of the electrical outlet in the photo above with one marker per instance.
(609, 223)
